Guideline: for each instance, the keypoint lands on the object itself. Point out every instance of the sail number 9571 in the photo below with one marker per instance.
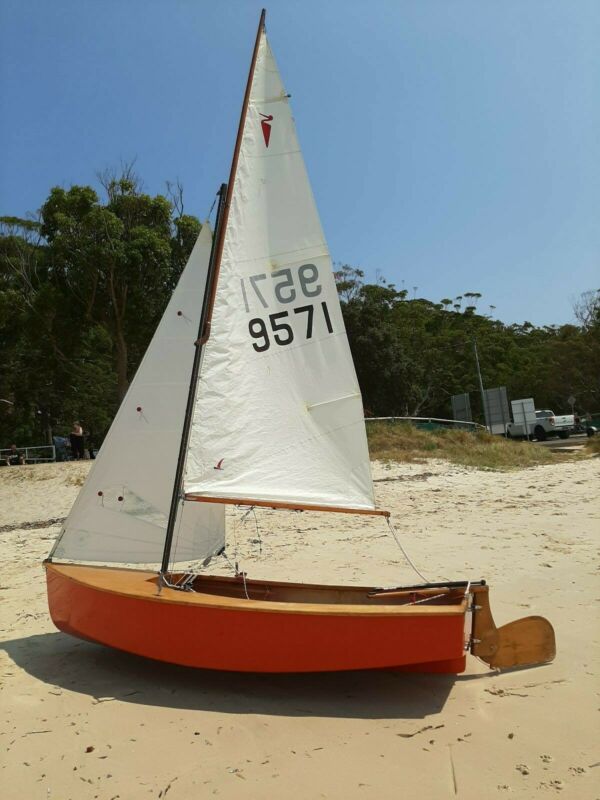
(282, 288)
(282, 332)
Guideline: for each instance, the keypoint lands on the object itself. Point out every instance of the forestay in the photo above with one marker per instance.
(120, 515)
(278, 415)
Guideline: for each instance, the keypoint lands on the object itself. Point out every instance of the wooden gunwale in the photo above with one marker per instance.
(114, 581)
(474, 587)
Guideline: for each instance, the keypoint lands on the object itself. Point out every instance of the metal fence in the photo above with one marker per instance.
(32, 455)
(431, 423)
(461, 407)
(497, 413)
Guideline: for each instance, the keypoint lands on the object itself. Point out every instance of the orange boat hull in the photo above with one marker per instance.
(123, 609)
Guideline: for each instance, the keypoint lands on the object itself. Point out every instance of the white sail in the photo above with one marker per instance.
(279, 413)
(120, 515)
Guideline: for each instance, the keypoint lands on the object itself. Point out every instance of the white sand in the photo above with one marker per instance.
(81, 721)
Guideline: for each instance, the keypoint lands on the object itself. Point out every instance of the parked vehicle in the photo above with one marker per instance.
(547, 423)
(588, 424)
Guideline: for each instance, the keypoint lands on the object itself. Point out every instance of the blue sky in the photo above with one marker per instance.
(452, 145)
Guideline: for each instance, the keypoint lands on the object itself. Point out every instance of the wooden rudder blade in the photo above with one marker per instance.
(522, 643)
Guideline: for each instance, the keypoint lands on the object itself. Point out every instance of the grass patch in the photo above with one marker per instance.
(592, 446)
(401, 441)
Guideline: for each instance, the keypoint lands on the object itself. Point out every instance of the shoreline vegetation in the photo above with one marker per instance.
(395, 443)
(593, 446)
(84, 285)
(403, 443)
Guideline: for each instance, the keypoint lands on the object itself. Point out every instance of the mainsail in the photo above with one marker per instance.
(278, 417)
(120, 515)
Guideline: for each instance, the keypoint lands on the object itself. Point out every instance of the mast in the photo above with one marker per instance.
(203, 326)
(483, 395)
(212, 279)
(234, 165)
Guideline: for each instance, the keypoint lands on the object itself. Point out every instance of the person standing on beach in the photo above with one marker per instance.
(76, 438)
(14, 457)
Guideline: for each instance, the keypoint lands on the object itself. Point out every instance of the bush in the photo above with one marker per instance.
(401, 441)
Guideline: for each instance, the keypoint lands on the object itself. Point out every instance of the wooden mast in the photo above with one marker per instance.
(233, 172)
(191, 399)
(212, 279)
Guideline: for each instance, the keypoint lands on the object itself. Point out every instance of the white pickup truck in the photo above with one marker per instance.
(546, 424)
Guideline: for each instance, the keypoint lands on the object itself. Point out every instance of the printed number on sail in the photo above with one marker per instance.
(283, 289)
(281, 331)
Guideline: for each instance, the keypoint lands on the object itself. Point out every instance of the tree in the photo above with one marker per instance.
(118, 261)
(411, 355)
(81, 292)
(587, 309)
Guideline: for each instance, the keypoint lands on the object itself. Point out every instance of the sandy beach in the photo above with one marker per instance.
(81, 721)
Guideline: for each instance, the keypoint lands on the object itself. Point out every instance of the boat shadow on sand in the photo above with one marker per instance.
(110, 675)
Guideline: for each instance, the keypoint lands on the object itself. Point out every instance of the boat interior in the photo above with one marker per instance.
(241, 588)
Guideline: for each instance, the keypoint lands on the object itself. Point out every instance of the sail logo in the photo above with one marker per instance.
(265, 124)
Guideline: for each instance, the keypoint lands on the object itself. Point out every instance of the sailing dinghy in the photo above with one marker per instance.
(247, 395)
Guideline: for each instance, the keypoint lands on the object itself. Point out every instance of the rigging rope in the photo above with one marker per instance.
(258, 536)
(212, 207)
(235, 566)
(427, 599)
(403, 551)
(179, 520)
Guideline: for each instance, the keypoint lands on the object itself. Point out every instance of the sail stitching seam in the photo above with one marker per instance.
(274, 256)
(258, 156)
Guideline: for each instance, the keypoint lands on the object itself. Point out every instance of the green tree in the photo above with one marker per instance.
(81, 292)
